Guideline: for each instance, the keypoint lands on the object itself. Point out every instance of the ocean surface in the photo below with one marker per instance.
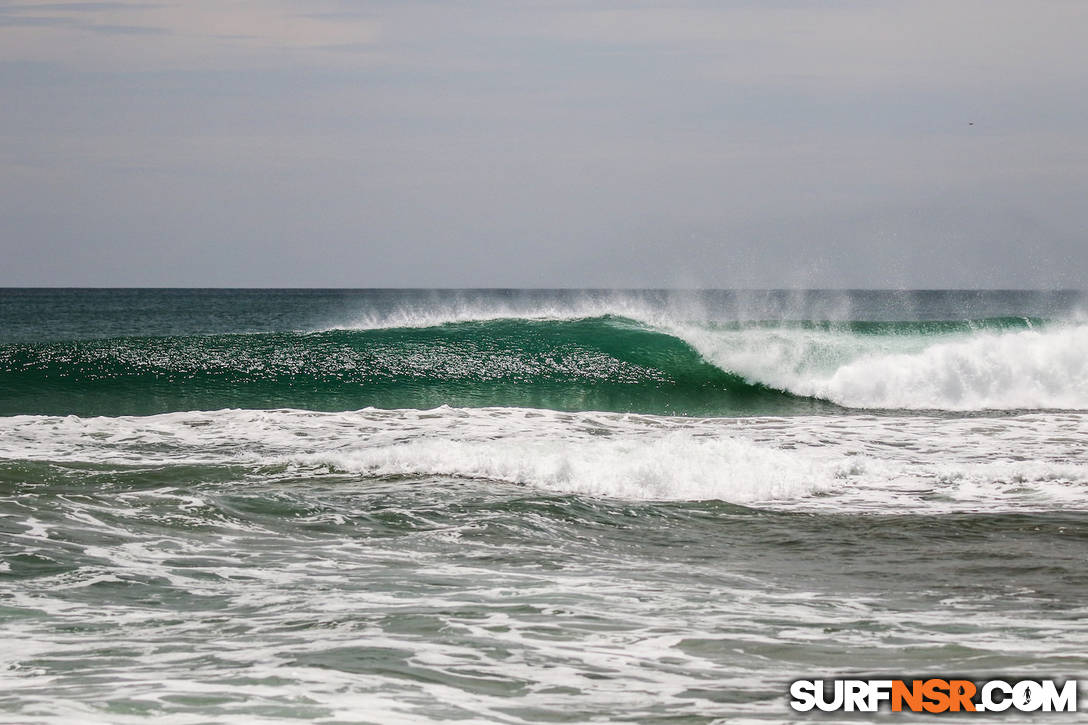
(391, 506)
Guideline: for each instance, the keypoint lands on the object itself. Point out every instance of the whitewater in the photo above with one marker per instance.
(885, 463)
(976, 370)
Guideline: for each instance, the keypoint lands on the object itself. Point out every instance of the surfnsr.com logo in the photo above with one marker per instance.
(934, 695)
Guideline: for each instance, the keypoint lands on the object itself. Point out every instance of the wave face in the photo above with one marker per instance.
(597, 364)
(657, 364)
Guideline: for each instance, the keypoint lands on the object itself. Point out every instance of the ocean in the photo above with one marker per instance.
(523, 506)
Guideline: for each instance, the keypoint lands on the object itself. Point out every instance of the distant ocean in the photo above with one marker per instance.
(531, 506)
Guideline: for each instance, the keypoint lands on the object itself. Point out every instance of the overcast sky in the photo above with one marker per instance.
(487, 143)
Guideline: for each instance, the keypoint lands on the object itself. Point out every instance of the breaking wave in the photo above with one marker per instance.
(655, 365)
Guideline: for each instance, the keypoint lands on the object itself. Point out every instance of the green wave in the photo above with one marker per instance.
(603, 363)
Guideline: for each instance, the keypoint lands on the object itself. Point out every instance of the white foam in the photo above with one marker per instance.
(677, 466)
(855, 462)
(1028, 369)
(599, 454)
(1015, 370)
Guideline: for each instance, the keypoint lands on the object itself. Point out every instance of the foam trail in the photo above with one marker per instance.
(873, 463)
(677, 467)
(646, 459)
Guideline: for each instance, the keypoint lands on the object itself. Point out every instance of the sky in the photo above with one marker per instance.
(483, 143)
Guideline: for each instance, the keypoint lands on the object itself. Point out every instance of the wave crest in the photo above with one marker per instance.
(1013, 370)
(609, 363)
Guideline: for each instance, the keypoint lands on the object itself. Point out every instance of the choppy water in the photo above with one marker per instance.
(400, 506)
